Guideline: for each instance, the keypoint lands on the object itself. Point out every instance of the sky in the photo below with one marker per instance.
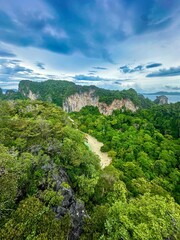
(114, 44)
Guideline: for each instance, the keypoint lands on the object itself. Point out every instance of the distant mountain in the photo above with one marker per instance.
(10, 94)
(72, 97)
(163, 93)
(4, 90)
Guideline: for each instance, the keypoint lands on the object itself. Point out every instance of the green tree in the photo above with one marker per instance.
(33, 220)
(147, 217)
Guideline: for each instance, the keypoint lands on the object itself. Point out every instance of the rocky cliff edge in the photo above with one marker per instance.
(77, 101)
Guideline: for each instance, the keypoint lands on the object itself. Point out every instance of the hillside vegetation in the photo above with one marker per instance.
(38, 146)
(52, 184)
(134, 195)
(58, 91)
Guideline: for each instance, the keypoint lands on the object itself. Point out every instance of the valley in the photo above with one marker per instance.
(84, 173)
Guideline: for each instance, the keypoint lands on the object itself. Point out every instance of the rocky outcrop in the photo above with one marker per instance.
(161, 100)
(69, 205)
(77, 101)
(115, 105)
(32, 95)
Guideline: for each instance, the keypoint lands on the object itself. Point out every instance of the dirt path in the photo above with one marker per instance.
(95, 146)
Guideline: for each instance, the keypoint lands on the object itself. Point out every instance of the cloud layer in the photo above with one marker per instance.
(89, 27)
(40, 65)
(127, 69)
(6, 53)
(154, 65)
(92, 78)
(171, 72)
(125, 42)
(100, 68)
(12, 71)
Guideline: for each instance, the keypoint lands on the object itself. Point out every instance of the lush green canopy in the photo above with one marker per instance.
(136, 197)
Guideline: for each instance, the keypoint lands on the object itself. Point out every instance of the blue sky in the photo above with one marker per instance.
(113, 44)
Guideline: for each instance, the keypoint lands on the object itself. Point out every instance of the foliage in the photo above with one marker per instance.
(11, 95)
(165, 117)
(136, 197)
(140, 190)
(33, 220)
(147, 217)
(58, 91)
(37, 140)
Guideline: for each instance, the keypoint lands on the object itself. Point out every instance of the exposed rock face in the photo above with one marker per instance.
(32, 96)
(115, 105)
(69, 205)
(76, 102)
(161, 100)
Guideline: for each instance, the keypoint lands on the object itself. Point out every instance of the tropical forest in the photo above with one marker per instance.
(54, 185)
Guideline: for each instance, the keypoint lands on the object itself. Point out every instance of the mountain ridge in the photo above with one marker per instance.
(60, 92)
(163, 93)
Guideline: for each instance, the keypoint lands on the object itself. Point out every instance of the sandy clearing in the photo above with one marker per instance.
(95, 146)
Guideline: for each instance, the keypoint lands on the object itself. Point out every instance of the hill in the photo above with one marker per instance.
(65, 94)
(52, 185)
(47, 173)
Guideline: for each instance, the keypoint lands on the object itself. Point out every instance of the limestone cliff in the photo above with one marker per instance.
(80, 99)
(32, 95)
(28, 93)
(77, 101)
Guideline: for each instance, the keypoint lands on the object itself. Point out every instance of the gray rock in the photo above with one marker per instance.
(69, 205)
(161, 100)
